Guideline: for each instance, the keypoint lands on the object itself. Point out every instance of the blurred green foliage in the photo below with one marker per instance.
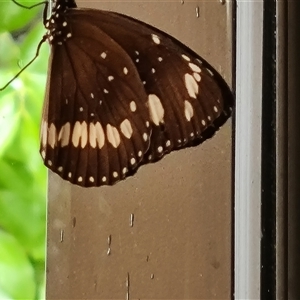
(22, 174)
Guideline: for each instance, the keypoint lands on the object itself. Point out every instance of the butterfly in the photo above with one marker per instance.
(121, 93)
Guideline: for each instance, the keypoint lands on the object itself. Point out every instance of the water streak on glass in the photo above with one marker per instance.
(131, 220)
(197, 12)
(61, 235)
(128, 287)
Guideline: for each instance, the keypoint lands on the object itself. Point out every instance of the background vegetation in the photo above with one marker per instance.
(22, 174)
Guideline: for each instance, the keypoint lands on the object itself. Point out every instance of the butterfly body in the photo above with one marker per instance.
(121, 93)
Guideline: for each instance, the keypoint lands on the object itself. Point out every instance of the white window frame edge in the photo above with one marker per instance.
(249, 33)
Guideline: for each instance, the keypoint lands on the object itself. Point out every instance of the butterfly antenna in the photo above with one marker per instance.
(46, 3)
(27, 65)
(31, 6)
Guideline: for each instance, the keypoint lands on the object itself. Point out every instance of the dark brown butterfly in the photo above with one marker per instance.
(121, 93)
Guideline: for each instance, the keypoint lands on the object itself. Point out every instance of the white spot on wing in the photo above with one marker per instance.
(126, 128)
(125, 70)
(64, 134)
(103, 55)
(84, 134)
(76, 134)
(188, 110)
(194, 67)
(100, 137)
(132, 106)
(197, 76)
(92, 135)
(210, 72)
(113, 135)
(191, 85)
(44, 131)
(185, 57)
(155, 39)
(132, 160)
(52, 136)
(156, 109)
(115, 174)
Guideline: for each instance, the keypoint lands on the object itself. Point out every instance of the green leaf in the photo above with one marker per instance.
(16, 272)
(22, 176)
(14, 17)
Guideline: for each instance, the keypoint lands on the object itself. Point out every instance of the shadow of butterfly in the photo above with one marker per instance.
(121, 93)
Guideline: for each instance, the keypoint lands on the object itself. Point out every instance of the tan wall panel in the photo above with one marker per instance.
(180, 244)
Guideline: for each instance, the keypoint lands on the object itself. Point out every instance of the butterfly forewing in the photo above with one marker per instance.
(121, 93)
(184, 98)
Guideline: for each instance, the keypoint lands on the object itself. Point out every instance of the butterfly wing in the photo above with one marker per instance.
(187, 99)
(95, 127)
(121, 93)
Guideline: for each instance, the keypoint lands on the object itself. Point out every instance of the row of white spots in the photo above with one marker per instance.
(160, 148)
(82, 134)
(196, 69)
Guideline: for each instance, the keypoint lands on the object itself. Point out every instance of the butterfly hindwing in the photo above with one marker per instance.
(98, 116)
